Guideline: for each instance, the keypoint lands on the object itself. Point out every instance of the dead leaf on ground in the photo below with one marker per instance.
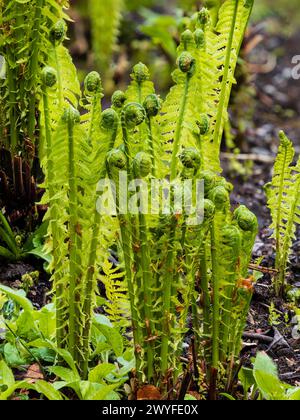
(34, 373)
(148, 392)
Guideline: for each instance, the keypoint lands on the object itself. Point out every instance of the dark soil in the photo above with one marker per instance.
(11, 275)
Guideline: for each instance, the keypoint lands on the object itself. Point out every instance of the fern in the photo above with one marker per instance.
(24, 44)
(117, 305)
(163, 257)
(69, 167)
(283, 196)
(106, 17)
(207, 60)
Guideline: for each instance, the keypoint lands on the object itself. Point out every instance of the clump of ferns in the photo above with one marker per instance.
(73, 160)
(283, 202)
(25, 45)
(193, 113)
(162, 255)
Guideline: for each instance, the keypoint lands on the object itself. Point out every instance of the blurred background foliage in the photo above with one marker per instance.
(288, 12)
(112, 35)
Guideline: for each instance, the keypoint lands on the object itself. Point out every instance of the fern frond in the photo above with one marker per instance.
(116, 293)
(178, 117)
(25, 45)
(278, 189)
(106, 17)
(69, 91)
(283, 202)
(231, 26)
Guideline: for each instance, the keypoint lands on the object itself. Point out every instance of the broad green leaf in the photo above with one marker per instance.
(48, 390)
(67, 375)
(266, 377)
(46, 321)
(61, 352)
(247, 379)
(12, 355)
(18, 297)
(103, 394)
(113, 337)
(18, 385)
(45, 354)
(293, 394)
(190, 397)
(101, 371)
(101, 348)
(102, 320)
(6, 375)
(26, 327)
(265, 364)
(228, 396)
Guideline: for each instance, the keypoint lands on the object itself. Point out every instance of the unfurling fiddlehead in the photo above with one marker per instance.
(118, 99)
(93, 94)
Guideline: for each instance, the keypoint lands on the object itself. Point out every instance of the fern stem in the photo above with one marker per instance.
(205, 290)
(177, 137)
(166, 298)
(12, 109)
(89, 282)
(145, 265)
(227, 318)
(59, 80)
(33, 66)
(130, 239)
(151, 146)
(168, 281)
(147, 293)
(73, 272)
(129, 263)
(215, 312)
(60, 312)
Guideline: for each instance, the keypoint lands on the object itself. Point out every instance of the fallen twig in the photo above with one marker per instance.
(258, 337)
(265, 270)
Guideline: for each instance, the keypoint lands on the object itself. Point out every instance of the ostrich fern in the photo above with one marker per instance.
(24, 45)
(105, 20)
(283, 202)
(162, 256)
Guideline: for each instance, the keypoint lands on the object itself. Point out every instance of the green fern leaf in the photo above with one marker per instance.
(283, 202)
(106, 17)
(116, 292)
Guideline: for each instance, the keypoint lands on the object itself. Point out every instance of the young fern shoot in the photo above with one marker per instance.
(283, 202)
